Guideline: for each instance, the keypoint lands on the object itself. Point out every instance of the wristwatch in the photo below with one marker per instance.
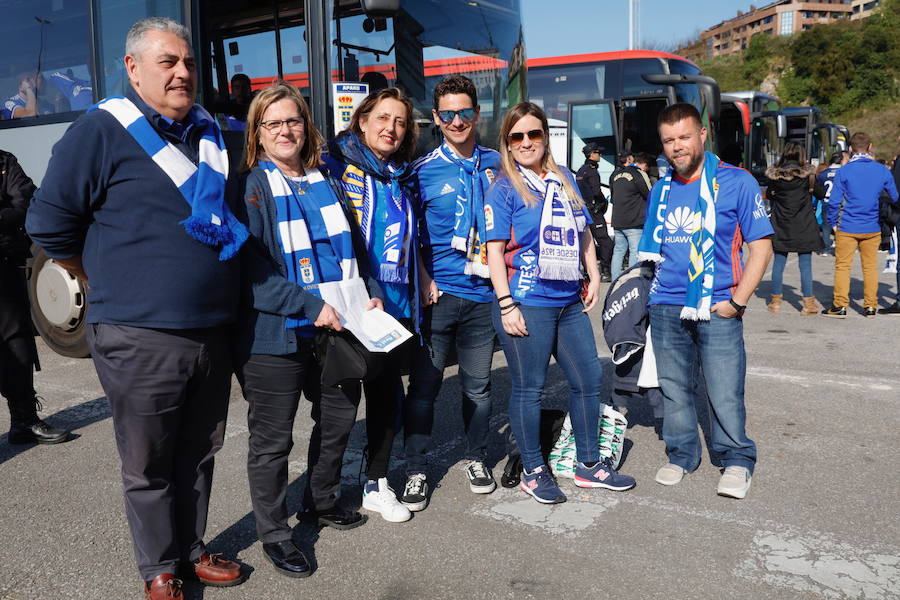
(738, 307)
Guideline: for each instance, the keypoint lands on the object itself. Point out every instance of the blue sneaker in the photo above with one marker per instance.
(541, 486)
(602, 475)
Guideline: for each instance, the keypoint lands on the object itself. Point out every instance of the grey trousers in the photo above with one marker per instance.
(168, 391)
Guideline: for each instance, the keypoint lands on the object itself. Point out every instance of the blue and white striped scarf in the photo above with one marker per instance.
(469, 229)
(702, 263)
(559, 255)
(303, 266)
(203, 186)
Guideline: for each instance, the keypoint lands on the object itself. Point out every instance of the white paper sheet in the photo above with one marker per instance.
(375, 329)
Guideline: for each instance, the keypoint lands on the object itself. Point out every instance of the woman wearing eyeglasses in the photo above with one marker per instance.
(371, 160)
(300, 237)
(537, 241)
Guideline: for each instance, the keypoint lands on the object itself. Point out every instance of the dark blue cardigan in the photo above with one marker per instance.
(268, 297)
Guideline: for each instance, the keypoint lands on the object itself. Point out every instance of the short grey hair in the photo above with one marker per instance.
(135, 38)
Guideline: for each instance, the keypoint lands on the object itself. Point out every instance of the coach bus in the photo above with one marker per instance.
(613, 99)
(753, 128)
(61, 56)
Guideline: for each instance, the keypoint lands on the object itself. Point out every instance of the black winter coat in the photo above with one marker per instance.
(793, 217)
(16, 189)
(630, 187)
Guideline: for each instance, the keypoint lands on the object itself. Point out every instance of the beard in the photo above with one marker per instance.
(689, 167)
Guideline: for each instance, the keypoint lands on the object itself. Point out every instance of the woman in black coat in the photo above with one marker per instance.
(794, 220)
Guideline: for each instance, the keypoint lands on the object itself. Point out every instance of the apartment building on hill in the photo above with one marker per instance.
(783, 17)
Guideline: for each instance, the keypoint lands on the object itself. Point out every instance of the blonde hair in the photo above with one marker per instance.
(310, 154)
(408, 145)
(508, 164)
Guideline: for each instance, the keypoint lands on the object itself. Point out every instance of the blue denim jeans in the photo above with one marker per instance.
(806, 278)
(465, 324)
(625, 238)
(684, 351)
(566, 334)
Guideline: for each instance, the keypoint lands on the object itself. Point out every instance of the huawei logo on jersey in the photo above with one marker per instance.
(680, 220)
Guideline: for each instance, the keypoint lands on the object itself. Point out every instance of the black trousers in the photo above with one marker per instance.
(18, 354)
(272, 387)
(604, 245)
(168, 391)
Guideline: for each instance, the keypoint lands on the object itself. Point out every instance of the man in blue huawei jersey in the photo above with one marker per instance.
(453, 180)
(700, 215)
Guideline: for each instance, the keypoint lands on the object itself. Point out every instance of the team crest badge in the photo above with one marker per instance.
(490, 175)
(488, 217)
(306, 271)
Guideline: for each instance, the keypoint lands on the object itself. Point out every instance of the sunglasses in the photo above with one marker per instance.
(516, 138)
(466, 115)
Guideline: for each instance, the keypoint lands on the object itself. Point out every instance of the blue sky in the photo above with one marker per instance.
(581, 26)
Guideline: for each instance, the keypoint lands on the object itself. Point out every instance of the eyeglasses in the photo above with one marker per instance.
(274, 126)
(516, 138)
(466, 115)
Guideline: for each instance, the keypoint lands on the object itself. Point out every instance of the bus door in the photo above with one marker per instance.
(733, 131)
(831, 139)
(637, 124)
(592, 121)
(767, 137)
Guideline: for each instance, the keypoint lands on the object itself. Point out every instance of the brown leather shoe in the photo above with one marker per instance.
(213, 570)
(163, 587)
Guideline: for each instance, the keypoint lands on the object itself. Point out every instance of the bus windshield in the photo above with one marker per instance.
(559, 83)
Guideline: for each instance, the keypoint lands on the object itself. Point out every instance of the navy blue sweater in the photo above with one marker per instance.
(104, 199)
(269, 297)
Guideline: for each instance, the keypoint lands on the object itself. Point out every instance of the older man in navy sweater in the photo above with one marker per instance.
(136, 203)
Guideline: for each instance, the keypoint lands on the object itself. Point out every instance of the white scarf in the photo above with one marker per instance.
(561, 227)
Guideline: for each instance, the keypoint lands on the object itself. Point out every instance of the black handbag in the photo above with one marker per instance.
(342, 357)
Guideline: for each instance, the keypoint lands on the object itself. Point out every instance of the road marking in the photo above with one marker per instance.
(569, 519)
(805, 561)
(813, 379)
(820, 564)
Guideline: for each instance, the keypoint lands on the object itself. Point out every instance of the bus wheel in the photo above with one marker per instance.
(58, 306)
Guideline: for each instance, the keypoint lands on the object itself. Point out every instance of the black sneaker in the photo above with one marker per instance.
(870, 312)
(893, 309)
(836, 312)
(415, 492)
(481, 481)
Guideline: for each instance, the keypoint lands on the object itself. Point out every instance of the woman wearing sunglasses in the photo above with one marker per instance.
(300, 237)
(537, 241)
(371, 159)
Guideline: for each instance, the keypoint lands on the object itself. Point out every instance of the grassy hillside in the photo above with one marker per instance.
(851, 69)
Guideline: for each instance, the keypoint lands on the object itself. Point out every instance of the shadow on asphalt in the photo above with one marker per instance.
(72, 418)
(824, 292)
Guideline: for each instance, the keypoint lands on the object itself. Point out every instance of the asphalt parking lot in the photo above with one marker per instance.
(821, 520)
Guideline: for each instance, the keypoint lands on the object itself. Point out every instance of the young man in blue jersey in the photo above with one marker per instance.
(452, 181)
(699, 216)
(853, 214)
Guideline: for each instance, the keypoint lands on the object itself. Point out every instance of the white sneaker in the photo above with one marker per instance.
(735, 482)
(384, 501)
(669, 474)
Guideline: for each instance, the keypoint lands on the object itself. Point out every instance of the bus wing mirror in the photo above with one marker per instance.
(707, 86)
(380, 8)
(781, 126)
